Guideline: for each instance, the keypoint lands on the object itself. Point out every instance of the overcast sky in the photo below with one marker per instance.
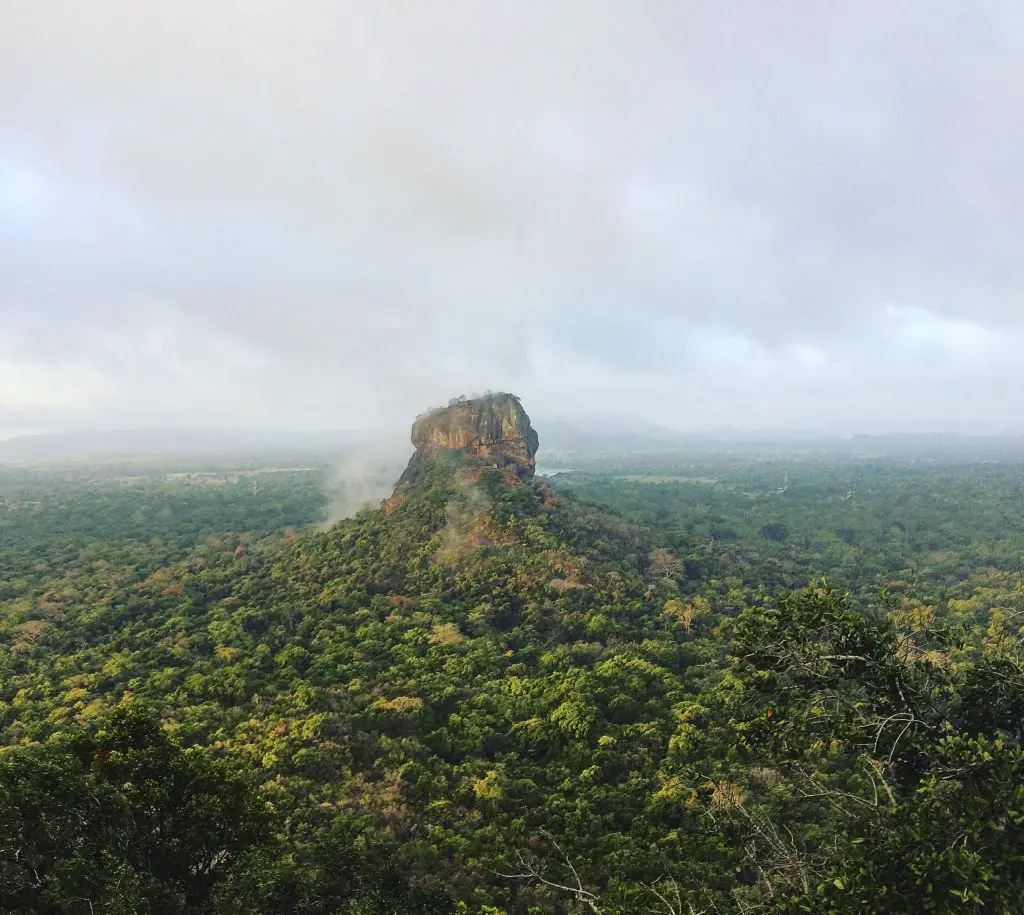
(332, 215)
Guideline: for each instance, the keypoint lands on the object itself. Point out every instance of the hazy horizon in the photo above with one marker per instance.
(594, 428)
(332, 216)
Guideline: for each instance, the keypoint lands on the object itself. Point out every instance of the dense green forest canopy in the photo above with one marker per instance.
(949, 535)
(623, 689)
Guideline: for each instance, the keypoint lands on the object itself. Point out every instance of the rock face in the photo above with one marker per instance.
(493, 429)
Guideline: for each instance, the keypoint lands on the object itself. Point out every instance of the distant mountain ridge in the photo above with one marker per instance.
(586, 437)
(567, 439)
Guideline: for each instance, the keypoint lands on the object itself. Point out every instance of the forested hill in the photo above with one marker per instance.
(488, 697)
(467, 672)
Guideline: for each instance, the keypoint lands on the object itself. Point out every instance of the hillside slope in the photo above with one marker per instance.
(472, 669)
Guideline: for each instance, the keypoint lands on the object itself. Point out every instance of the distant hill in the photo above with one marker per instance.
(594, 436)
(561, 439)
(613, 435)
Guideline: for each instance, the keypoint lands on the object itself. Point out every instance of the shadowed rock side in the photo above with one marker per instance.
(493, 430)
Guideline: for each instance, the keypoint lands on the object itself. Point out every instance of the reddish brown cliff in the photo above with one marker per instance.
(493, 429)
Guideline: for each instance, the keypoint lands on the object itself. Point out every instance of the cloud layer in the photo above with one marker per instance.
(334, 214)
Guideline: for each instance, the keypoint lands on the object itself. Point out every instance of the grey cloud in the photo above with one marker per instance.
(334, 214)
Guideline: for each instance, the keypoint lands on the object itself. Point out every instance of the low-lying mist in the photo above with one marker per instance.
(362, 479)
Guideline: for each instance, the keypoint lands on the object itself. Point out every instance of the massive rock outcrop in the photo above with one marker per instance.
(493, 429)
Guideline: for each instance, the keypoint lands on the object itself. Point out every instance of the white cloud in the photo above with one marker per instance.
(36, 386)
(347, 211)
(959, 342)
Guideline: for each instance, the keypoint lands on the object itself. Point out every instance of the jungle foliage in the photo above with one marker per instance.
(492, 695)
